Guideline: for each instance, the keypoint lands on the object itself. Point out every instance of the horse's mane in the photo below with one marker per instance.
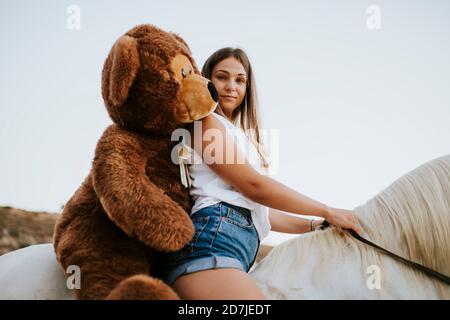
(411, 218)
(412, 215)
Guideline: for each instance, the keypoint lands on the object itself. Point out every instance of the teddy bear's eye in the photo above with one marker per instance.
(183, 73)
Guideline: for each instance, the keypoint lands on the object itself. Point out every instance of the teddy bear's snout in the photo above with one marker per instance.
(213, 91)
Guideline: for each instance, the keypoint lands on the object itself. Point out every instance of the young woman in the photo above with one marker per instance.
(236, 204)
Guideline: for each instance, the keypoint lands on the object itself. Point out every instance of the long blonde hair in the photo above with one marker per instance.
(246, 115)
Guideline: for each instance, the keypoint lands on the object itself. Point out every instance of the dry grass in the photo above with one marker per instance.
(20, 228)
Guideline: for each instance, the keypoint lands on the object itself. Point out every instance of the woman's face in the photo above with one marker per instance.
(230, 79)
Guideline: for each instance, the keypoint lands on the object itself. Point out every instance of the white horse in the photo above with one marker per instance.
(410, 218)
(32, 273)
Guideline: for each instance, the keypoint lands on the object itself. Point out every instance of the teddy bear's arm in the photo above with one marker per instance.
(131, 200)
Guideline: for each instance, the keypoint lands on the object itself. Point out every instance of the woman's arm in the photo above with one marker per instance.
(232, 166)
(285, 223)
(222, 155)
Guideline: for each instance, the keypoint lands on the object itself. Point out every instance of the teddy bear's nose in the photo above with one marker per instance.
(213, 91)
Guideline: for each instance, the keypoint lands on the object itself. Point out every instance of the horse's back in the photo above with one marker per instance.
(32, 273)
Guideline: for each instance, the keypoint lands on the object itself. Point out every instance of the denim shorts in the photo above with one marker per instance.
(225, 237)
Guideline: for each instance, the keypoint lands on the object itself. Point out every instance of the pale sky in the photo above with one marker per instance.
(355, 107)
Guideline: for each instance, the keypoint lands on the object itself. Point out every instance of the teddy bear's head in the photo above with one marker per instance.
(151, 83)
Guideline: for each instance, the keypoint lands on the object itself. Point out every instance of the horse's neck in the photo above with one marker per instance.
(414, 230)
(410, 218)
(380, 228)
(313, 267)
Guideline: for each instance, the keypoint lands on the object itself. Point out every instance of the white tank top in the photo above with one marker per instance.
(207, 188)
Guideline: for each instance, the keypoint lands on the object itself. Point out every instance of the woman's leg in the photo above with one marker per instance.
(218, 284)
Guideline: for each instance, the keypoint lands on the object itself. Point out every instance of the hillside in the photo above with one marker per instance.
(20, 228)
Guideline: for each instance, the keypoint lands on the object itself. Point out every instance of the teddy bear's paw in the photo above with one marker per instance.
(171, 238)
(142, 287)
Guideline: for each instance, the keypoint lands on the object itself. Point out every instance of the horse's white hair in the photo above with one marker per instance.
(411, 218)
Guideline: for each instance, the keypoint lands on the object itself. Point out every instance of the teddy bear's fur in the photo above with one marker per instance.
(132, 204)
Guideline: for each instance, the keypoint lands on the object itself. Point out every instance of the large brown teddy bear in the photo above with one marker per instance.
(132, 205)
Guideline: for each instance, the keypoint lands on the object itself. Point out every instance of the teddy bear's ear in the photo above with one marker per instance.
(120, 70)
(179, 39)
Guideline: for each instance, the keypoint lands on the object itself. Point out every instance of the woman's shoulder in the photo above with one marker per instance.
(214, 121)
(222, 119)
(209, 125)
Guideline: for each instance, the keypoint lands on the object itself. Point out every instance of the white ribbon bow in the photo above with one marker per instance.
(184, 157)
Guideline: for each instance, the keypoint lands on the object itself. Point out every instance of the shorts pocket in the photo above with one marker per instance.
(200, 223)
(238, 219)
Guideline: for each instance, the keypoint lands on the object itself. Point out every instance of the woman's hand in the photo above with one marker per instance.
(346, 219)
(315, 224)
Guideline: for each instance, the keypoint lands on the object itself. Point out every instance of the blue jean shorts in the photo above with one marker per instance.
(225, 237)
